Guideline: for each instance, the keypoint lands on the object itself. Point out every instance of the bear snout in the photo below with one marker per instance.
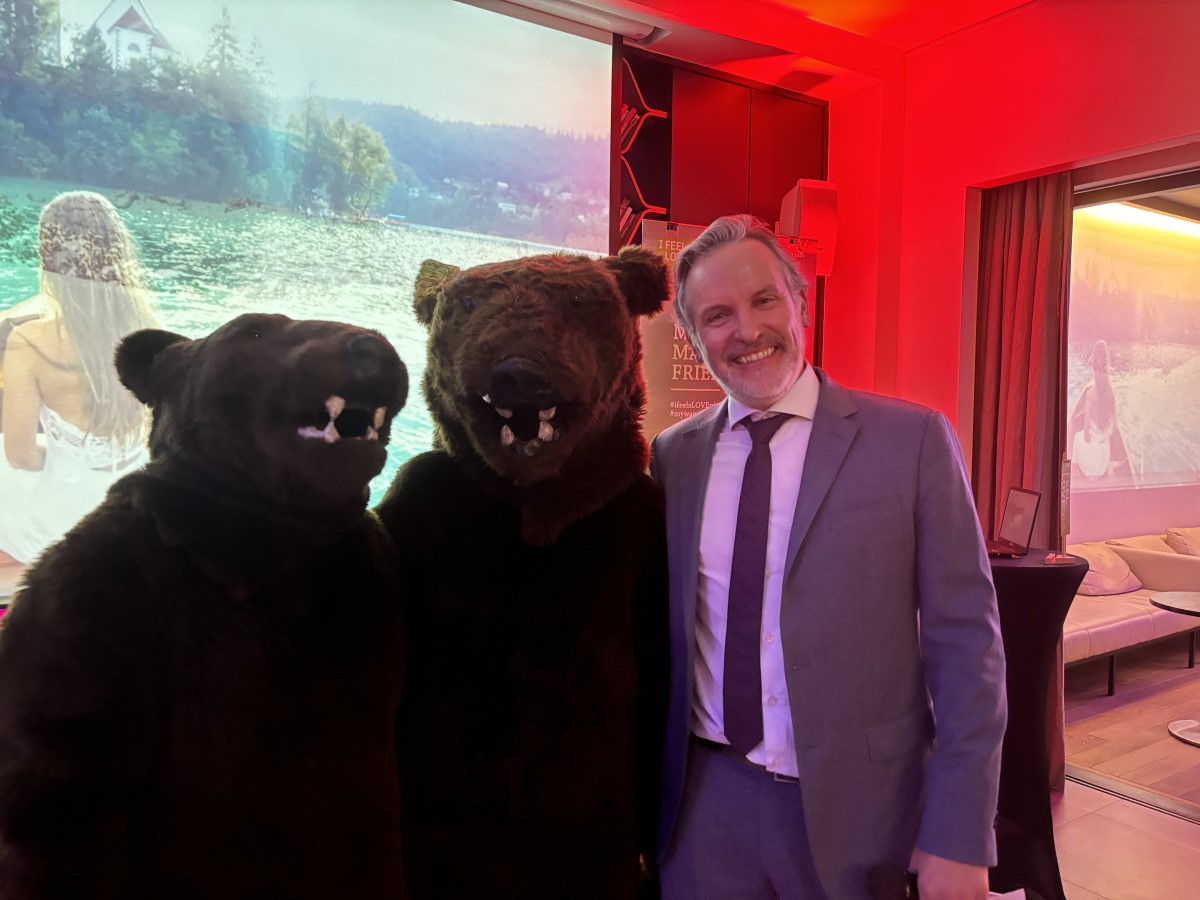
(518, 381)
(366, 358)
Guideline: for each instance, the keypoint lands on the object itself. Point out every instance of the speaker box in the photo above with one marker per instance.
(809, 214)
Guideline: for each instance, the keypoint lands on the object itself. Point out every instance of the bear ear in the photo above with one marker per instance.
(430, 278)
(136, 357)
(642, 277)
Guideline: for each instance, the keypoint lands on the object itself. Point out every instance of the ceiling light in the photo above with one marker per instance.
(1125, 214)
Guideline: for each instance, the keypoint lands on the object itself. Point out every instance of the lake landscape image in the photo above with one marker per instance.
(204, 265)
(267, 159)
(1135, 290)
(1156, 387)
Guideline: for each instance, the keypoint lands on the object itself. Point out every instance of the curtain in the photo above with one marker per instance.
(1020, 374)
(1020, 371)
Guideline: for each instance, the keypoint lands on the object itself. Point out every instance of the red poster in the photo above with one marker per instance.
(677, 384)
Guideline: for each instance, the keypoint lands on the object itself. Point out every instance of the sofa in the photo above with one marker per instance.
(1112, 611)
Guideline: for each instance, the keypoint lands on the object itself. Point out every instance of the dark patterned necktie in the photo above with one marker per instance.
(743, 655)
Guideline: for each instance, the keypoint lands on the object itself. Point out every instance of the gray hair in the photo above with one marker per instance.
(730, 230)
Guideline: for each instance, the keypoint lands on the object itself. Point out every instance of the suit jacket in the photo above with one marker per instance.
(889, 624)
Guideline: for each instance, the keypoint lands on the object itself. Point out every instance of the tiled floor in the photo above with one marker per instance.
(1115, 849)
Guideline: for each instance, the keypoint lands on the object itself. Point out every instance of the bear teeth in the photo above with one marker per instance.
(335, 406)
(329, 434)
(504, 413)
(544, 415)
(547, 434)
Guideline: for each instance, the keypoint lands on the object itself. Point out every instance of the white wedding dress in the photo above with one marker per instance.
(38, 508)
(1092, 451)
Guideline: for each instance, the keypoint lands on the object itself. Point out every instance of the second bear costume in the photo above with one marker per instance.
(531, 724)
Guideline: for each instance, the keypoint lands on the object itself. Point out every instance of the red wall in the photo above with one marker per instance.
(1055, 84)
(849, 328)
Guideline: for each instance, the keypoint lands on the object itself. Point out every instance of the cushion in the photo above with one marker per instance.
(1144, 542)
(1107, 572)
(1097, 627)
(1184, 540)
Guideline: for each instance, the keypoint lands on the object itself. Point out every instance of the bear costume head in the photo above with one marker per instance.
(533, 373)
(296, 413)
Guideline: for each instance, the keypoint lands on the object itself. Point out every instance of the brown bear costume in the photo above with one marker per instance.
(531, 723)
(198, 685)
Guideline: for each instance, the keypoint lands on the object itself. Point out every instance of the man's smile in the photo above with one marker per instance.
(754, 357)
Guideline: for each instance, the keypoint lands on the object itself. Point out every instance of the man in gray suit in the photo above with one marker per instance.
(864, 734)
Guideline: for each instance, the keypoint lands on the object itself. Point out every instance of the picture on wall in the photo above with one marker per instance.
(189, 162)
(1133, 362)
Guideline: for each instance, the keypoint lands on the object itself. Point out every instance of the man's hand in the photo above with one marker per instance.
(945, 879)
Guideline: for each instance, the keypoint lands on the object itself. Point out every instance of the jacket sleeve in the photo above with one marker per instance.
(963, 657)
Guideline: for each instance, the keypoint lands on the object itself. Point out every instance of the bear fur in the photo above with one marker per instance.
(198, 684)
(530, 730)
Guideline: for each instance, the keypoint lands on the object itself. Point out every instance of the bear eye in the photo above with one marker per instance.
(468, 302)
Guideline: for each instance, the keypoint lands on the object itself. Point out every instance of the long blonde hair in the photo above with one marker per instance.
(93, 287)
(1105, 401)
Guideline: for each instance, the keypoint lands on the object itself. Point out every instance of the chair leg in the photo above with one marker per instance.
(1112, 674)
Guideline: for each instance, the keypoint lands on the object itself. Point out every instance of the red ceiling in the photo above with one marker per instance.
(905, 24)
(826, 48)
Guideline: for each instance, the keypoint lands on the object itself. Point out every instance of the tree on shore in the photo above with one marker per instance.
(368, 168)
(344, 163)
(28, 36)
(211, 129)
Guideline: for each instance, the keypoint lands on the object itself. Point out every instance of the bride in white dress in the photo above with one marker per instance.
(59, 378)
(1093, 434)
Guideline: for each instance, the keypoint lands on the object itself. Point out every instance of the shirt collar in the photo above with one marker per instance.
(800, 400)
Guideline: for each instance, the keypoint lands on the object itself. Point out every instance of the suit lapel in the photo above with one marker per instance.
(695, 452)
(833, 432)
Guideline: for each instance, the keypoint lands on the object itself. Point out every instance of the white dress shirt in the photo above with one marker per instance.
(777, 752)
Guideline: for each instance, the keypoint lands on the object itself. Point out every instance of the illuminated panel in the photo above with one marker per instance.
(293, 158)
(1133, 379)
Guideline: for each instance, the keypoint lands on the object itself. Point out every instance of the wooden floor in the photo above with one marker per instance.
(1124, 737)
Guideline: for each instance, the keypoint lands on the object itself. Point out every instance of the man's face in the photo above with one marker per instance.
(747, 322)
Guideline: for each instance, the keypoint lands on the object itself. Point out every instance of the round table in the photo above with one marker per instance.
(1187, 603)
(1033, 599)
